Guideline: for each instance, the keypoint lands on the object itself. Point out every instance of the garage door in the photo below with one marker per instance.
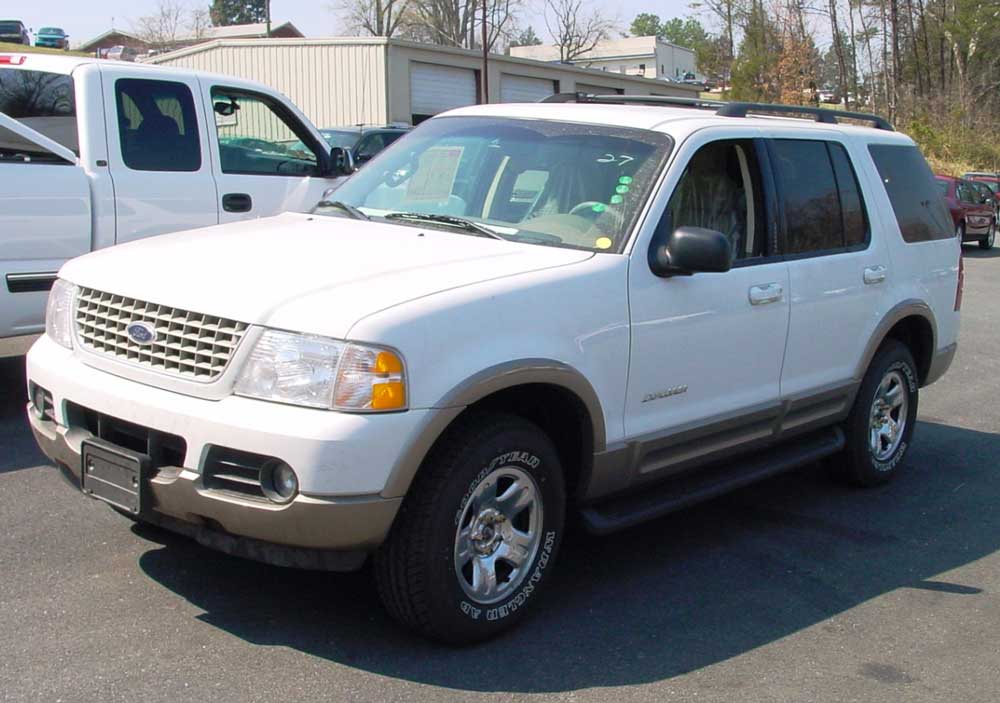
(522, 89)
(597, 90)
(434, 89)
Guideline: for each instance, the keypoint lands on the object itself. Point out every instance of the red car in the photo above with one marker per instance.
(973, 215)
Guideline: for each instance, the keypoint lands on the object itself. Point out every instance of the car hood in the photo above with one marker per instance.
(304, 273)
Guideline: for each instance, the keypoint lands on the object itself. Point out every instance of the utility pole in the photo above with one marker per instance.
(486, 56)
(267, 16)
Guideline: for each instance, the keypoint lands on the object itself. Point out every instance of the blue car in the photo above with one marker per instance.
(14, 32)
(52, 37)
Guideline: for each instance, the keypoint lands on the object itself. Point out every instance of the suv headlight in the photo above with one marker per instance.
(320, 372)
(59, 313)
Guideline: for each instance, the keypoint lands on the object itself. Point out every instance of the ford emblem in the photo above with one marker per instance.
(141, 332)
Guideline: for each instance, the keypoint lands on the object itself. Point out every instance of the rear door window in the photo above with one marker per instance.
(808, 188)
(157, 127)
(916, 199)
(44, 102)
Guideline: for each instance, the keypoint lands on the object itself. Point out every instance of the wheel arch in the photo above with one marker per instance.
(549, 393)
(912, 323)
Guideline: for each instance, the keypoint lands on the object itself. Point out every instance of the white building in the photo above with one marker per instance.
(633, 56)
(375, 80)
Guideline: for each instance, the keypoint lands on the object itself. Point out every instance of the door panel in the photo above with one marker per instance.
(158, 155)
(708, 348)
(44, 221)
(839, 275)
(264, 159)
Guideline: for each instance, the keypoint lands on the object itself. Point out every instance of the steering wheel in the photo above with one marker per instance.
(586, 209)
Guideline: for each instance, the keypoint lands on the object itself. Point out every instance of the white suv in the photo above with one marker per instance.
(515, 314)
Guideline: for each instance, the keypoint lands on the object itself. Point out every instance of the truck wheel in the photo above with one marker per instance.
(881, 422)
(986, 242)
(478, 532)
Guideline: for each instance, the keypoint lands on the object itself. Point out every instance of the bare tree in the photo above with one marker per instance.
(457, 22)
(575, 28)
(380, 18)
(170, 24)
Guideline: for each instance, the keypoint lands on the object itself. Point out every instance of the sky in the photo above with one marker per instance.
(84, 20)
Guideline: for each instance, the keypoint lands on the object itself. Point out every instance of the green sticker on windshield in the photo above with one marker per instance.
(625, 180)
(616, 199)
(621, 189)
(598, 207)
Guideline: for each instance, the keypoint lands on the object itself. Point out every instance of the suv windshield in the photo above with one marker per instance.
(535, 181)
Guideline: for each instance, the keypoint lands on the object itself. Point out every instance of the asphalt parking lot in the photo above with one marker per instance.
(796, 589)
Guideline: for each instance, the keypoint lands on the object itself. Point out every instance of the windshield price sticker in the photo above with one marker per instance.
(435, 174)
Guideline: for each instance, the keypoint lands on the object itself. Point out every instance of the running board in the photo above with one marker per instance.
(702, 484)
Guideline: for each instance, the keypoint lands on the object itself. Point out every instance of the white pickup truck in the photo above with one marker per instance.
(95, 153)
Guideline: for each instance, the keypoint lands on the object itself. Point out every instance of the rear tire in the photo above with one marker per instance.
(986, 243)
(478, 532)
(881, 421)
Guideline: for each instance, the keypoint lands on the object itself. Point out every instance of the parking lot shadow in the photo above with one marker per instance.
(656, 601)
(17, 446)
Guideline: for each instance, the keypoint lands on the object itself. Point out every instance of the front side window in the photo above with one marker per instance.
(157, 127)
(257, 137)
(916, 201)
(44, 102)
(535, 181)
(720, 190)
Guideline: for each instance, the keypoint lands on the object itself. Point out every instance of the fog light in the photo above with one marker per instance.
(279, 482)
(39, 400)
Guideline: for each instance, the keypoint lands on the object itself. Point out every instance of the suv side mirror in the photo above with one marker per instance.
(342, 161)
(689, 250)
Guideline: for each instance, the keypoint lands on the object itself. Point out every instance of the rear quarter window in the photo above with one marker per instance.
(913, 192)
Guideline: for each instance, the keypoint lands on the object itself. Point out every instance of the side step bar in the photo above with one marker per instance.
(656, 500)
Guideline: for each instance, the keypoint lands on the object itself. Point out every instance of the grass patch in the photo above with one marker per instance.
(6, 48)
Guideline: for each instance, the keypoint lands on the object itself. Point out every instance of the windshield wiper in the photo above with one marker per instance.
(451, 220)
(341, 205)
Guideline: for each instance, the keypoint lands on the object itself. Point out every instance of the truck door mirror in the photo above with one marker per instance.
(342, 162)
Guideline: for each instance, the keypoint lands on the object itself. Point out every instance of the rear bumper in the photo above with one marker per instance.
(309, 532)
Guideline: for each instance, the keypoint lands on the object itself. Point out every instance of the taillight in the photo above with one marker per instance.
(12, 60)
(961, 283)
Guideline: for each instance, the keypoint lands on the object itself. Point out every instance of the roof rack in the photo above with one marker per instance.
(723, 108)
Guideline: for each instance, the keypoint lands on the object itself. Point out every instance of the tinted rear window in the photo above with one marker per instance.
(10, 27)
(43, 101)
(916, 199)
(812, 213)
(157, 126)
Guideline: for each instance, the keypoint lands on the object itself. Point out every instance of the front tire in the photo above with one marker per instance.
(477, 535)
(881, 421)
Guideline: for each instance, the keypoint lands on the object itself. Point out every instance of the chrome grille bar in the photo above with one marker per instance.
(187, 344)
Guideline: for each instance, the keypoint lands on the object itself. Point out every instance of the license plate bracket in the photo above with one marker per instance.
(114, 475)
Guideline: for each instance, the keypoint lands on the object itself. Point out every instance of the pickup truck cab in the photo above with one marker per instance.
(515, 314)
(95, 153)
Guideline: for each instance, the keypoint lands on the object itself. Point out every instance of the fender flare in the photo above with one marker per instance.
(485, 383)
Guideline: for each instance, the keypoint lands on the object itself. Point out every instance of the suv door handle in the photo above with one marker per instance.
(875, 274)
(766, 293)
(237, 202)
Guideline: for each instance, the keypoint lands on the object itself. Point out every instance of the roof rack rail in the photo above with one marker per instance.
(723, 108)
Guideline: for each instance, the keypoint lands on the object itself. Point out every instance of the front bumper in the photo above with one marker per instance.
(344, 463)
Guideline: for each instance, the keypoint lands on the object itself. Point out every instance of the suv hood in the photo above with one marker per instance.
(304, 273)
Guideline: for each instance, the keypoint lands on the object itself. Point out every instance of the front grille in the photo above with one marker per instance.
(235, 471)
(163, 448)
(187, 344)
